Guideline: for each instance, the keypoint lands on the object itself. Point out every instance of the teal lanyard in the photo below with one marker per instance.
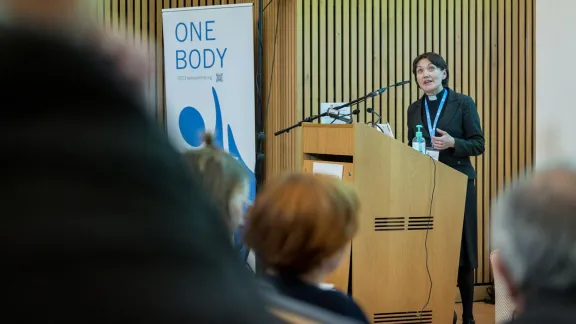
(432, 128)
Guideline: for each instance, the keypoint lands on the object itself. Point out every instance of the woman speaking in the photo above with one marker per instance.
(452, 127)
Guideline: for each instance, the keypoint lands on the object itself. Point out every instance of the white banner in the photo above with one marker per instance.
(209, 73)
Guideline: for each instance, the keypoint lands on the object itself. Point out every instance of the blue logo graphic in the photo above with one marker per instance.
(192, 127)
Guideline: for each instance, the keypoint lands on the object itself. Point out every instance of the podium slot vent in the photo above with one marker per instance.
(404, 318)
(420, 223)
(389, 224)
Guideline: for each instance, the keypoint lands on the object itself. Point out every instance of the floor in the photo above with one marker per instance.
(483, 313)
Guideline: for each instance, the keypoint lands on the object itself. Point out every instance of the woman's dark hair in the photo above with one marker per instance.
(435, 59)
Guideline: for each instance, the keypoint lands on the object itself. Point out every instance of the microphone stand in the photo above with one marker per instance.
(375, 124)
(312, 118)
(348, 118)
(349, 104)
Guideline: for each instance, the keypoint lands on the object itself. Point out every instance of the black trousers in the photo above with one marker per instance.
(468, 253)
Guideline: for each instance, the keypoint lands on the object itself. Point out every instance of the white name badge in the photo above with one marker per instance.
(433, 153)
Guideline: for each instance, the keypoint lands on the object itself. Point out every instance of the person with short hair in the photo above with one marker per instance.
(224, 180)
(300, 226)
(451, 126)
(534, 231)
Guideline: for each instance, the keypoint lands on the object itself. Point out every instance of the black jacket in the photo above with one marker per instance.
(460, 119)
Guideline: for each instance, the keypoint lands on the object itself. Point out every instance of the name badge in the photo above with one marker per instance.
(435, 154)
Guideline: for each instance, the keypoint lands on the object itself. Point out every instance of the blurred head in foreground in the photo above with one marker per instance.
(76, 21)
(301, 225)
(534, 230)
(58, 15)
(223, 178)
(102, 220)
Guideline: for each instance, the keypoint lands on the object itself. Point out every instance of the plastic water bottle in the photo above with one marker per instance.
(419, 143)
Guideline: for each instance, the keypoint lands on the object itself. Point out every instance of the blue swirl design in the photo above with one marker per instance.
(192, 127)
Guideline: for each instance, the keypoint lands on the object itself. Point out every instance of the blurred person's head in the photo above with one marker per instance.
(76, 20)
(46, 13)
(301, 225)
(534, 230)
(224, 179)
(111, 223)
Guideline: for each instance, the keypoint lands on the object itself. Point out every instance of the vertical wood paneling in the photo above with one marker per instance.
(508, 92)
(361, 66)
(406, 53)
(493, 93)
(306, 61)
(376, 57)
(488, 45)
(315, 72)
(343, 49)
(394, 122)
(529, 81)
(330, 53)
(399, 68)
(368, 64)
(338, 51)
(522, 85)
(346, 55)
(322, 57)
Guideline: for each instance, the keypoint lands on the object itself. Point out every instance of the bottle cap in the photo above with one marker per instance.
(419, 131)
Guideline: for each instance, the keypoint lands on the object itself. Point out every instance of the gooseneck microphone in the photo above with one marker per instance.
(372, 111)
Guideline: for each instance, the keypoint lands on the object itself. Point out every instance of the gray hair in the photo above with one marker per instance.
(534, 229)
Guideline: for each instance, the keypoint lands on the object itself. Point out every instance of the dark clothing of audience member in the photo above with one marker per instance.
(331, 300)
(101, 221)
(558, 307)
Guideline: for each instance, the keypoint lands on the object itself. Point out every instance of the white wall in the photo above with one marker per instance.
(555, 80)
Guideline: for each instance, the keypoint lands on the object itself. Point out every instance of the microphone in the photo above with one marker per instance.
(372, 111)
(335, 113)
(381, 90)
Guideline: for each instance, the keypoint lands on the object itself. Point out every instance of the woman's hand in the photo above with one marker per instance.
(443, 142)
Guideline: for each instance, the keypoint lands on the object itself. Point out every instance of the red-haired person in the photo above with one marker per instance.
(300, 226)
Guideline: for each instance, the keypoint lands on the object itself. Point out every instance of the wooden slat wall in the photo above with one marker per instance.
(141, 22)
(352, 47)
(338, 50)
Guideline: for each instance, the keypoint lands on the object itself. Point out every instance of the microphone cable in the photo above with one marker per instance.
(426, 239)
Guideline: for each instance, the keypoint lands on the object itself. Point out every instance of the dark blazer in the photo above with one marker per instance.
(460, 119)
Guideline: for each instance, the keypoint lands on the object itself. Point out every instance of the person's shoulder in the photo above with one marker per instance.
(415, 105)
(339, 300)
(462, 98)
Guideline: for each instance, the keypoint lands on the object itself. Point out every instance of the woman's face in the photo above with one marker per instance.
(238, 205)
(429, 76)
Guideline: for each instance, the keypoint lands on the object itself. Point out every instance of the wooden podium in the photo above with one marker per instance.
(411, 218)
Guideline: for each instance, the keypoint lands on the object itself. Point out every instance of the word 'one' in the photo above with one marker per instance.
(198, 32)
(193, 31)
